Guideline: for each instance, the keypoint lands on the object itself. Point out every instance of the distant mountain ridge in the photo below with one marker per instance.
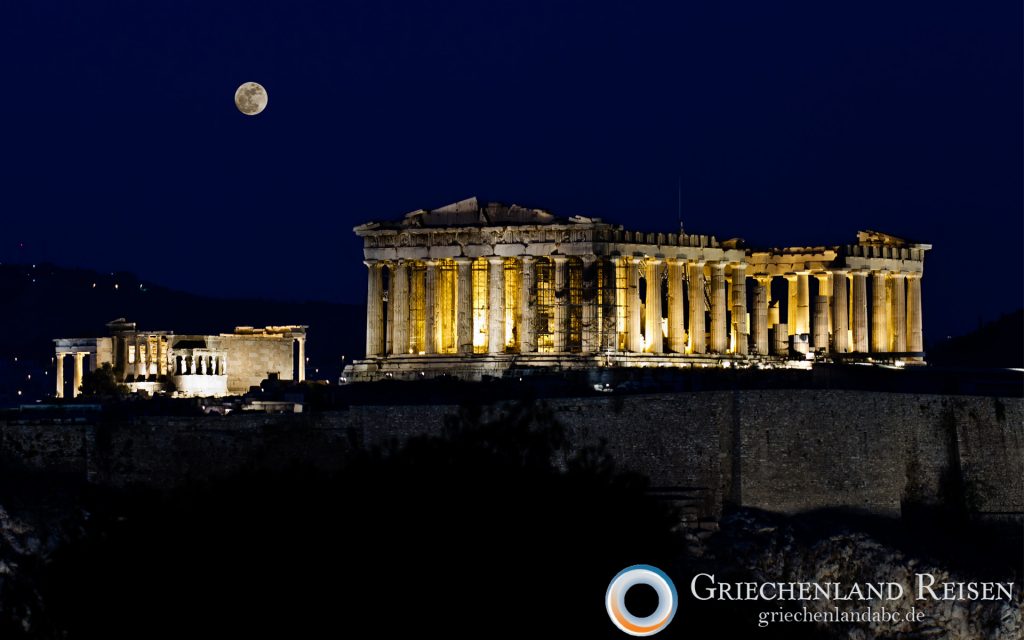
(999, 343)
(44, 301)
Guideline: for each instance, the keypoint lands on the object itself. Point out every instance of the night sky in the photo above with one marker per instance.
(788, 123)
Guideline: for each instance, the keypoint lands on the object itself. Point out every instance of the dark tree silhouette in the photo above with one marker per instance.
(496, 528)
(102, 383)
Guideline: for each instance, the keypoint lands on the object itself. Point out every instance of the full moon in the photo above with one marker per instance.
(251, 98)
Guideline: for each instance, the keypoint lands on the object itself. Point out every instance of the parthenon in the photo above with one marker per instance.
(472, 290)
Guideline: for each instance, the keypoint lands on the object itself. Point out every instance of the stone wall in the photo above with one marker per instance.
(252, 358)
(780, 450)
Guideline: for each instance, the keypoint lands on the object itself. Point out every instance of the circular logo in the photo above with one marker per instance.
(615, 600)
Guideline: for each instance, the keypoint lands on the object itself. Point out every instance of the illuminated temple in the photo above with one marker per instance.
(472, 290)
(186, 365)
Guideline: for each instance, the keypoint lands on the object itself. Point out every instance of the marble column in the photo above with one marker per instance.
(879, 314)
(609, 306)
(78, 374)
(899, 312)
(161, 357)
(140, 358)
(825, 289)
(464, 305)
(561, 266)
(890, 330)
(759, 317)
(590, 338)
(302, 359)
(652, 321)
(495, 305)
(803, 302)
(374, 311)
(122, 342)
(388, 297)
(840, 313)
(719, 339)
(528, 306)
(676, 306)
(402, 291)
(791, 303)
(431, 310)
(634, 340)
(697, 307)
(60, 375)
(860, 311)
(820, 325)
(780, 339)
(915, 335)
(741, 331)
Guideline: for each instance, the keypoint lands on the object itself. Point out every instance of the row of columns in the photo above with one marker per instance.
(395, 337)
(204, 364)
(841, 311)
(840, 321)
(78, 370)
(145, 354)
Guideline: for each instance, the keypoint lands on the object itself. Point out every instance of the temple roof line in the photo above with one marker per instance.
(470, 213)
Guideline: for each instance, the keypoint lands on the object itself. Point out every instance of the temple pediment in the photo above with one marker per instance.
(470, 213)
(872, 237)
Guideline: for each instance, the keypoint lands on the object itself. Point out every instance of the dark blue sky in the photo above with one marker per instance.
(790, 123)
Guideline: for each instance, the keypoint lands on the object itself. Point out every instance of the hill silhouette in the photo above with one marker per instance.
(44, 302)
(996, 344)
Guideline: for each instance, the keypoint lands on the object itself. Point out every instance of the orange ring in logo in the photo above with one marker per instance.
(655, 578)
